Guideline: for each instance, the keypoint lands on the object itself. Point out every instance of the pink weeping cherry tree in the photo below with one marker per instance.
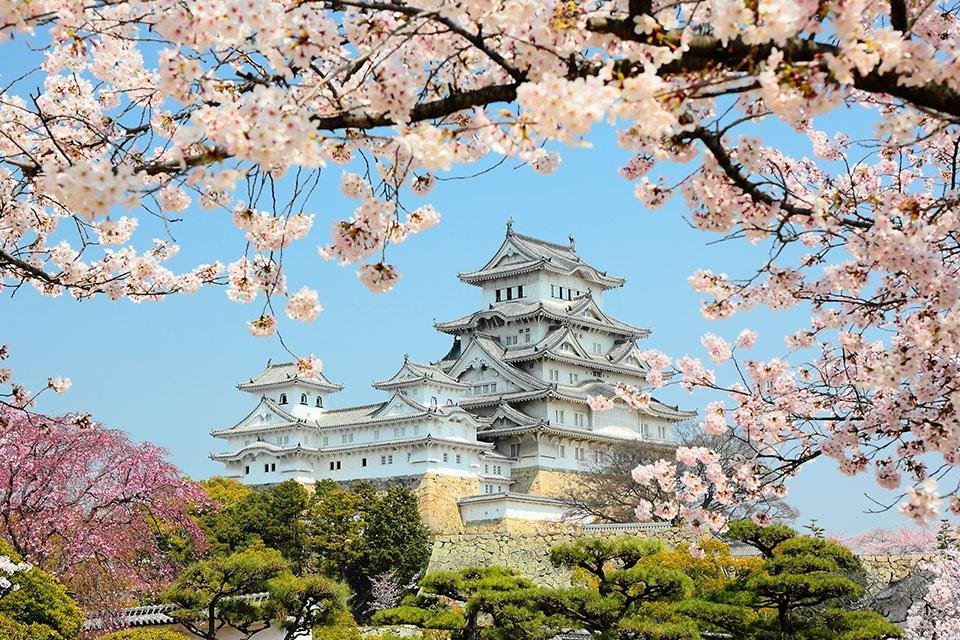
(134, 110)
(86, 504)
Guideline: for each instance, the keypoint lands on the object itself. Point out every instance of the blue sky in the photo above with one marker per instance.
(165, 372)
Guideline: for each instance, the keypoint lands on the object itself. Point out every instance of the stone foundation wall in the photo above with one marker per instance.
(542, 482)
(525, 548)
(438, 497)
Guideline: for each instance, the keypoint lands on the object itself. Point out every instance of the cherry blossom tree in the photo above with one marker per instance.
(895, 542)
(937, 615)
(86, 504)
(239, 105)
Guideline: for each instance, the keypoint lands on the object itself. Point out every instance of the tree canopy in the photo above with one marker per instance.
(800, 587)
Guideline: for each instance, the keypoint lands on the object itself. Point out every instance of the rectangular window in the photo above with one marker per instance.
(553, 291)
(499, 295)
(445, 457)
(520, 291)
(562, 451)
(515, 451)
(383, 459)
(246, 470)
(458, 458)
(554, 375)
(509, 293)
(338, 465)
(376, 434)
(526, 335)
(326, 440)
(266, 468)
(273, 466)
(331, 465)
(574, 377)
(486, 468)
(363, 462)
(596, 347)
(390, 459)
(558, 414)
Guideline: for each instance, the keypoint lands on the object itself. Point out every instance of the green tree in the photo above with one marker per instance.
(249, 591)
(398, 540)
(356, 533)
(621, 589)
(283, 527)
(802, 591)
(35, 606)
(492, 603)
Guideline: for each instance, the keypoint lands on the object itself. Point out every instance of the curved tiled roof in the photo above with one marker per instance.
(283, 373)
(554, 310)
(540, 254)
(419, 374)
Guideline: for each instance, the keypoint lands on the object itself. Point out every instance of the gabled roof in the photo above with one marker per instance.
(265, 405)
(524, 254)
(582, 311)
(506, 412)
(551, 346)
(488, 352)
(416, 374)
(286, 373)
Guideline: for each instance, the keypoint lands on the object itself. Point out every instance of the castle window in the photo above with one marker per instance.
(383, 459)
(499, 295)
(331, 465)
(554, 375)
(266, 468)
(661, 432)
(486, 468)
(579, 420)
(246, 470)
(580, 454)
(283, 398)
(273, 467)
(574, 377)
(458, 458)
(509, 293)
(326, 440)
(363, 462)
(515, 450)
(520, 291)
(558, 414)
(319, 402)
(446, 457)
(390, 459)
(303, 398)
(553, 291)
(433, 401)
(561, 451)
(526, 335)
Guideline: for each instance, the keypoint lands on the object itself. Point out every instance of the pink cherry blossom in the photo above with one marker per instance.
(303, 305)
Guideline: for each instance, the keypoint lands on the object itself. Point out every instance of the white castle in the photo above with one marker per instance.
(491, 430)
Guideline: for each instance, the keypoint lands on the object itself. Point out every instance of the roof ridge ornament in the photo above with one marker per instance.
(510, 226)
(573, 243)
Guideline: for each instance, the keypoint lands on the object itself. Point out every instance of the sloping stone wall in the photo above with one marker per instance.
(526, 548)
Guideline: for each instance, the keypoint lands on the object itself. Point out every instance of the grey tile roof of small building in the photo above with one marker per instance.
(282, 373)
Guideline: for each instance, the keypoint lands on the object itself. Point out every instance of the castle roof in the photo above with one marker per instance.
(283, 374)
(416, 374)
(582, 311)
(521, 254)
(359, 415)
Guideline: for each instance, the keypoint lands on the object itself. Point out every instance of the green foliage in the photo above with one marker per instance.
(342, 626)
(397, 539)
(347, 533)
(145, 633)
(213, 593)
(492, 603)
(225, 491)
(800, 592)
(625, 588)
(40, 608)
